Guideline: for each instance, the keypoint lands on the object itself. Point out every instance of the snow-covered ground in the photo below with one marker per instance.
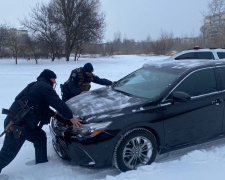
(205, 162)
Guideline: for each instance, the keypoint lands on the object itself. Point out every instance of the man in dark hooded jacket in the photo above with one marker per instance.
(39, 96)
(79, 82)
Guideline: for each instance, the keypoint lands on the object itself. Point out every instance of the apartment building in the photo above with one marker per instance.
(214, 24)
(21, 34)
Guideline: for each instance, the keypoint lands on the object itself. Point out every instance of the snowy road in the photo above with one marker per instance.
(205, 162)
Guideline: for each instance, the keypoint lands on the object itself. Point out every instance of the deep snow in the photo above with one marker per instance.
(203, 162)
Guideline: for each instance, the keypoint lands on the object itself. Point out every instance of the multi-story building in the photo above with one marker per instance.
(186, 40)
(214, 24)
(21, 34)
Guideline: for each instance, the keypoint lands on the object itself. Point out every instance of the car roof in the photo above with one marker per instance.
(202, 50)
(184, 65)
(205, 49)
(197, 49)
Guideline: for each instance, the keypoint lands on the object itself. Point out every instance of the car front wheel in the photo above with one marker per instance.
(137, 147)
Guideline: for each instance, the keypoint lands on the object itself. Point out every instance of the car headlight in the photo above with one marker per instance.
(91, 129)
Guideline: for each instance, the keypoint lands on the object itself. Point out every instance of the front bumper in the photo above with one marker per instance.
(62, 149)
(59, 145)
(92, 152)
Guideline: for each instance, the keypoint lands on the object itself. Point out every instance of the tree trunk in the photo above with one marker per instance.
(16, 57)
(53, 53)
(67, 49)
(53, 56)
(75, 56)
(67, 57)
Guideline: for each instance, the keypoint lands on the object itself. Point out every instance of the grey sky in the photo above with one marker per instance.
(134, 19)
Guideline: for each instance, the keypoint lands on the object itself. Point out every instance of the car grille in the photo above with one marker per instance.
(61, 149)
(58, 142)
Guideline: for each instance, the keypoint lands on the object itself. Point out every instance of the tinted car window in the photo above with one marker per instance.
(221, 55)
(222, 71)
(196, 55)
(198, 83)
(205, 55)
(190, 55)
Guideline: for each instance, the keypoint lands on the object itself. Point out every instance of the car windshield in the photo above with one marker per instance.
(146, 83)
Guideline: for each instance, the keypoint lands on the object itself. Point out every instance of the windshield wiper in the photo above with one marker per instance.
(126, 93)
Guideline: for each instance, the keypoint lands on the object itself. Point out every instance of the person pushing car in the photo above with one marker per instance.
(79, 82)
(31, 105)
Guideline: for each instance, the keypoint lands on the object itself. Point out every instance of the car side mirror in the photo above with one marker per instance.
(179, 96)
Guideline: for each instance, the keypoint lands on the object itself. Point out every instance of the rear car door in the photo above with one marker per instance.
(201, 117)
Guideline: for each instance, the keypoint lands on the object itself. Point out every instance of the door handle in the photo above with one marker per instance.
(217, 102)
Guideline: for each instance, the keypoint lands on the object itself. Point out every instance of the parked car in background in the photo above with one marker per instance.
(159, 108)
(200, 53)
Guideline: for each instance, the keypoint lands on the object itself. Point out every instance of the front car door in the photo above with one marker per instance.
(222, 75)
(198, 119)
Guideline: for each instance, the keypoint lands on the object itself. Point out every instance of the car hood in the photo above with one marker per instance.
(103, 103)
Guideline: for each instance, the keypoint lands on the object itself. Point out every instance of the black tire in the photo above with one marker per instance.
(137, 147)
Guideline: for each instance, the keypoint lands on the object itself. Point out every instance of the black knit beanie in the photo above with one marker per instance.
(88, 67)
(47, 74)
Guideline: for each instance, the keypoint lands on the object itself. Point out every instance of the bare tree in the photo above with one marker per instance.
(3, 31)
(92, 49)
(13, 42)
(164, 44)
(117, 42)
(128, 46)
(32, 44)
(42, 26)
(145, 46)
(80, 21)
(113, 47)
(109, 49)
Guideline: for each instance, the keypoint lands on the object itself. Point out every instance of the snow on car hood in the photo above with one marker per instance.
(101, 103)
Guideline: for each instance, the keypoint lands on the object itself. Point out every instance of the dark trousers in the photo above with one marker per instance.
(66, 95)
(11, 146)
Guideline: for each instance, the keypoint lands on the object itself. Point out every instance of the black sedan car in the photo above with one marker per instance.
(161, 107)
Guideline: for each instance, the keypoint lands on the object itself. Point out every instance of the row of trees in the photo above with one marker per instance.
(32, 47)
(164, 45)
(63, 27)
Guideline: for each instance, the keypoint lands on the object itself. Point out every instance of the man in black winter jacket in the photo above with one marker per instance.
(39, 96)
(79, 82)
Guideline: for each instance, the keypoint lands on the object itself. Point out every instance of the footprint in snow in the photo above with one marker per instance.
(30, 163)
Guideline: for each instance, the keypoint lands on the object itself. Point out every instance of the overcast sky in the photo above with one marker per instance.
(134, 19)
